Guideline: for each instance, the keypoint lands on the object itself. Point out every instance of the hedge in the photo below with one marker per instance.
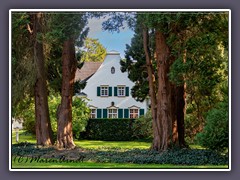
(109, 129)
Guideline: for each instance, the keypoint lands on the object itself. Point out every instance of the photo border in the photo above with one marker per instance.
(118, 10)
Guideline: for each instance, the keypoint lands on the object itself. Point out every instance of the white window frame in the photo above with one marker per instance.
(104, 91)
(93, 114)
(133, 114)
(122, 90)
(112, 114)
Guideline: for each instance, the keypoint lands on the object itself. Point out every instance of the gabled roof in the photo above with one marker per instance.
(88, 69)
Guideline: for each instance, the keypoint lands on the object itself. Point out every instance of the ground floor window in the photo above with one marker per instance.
(112, 113)
(93, 114)
(133, 113)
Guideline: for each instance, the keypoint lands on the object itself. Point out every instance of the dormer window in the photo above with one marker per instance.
(113, 70)
(112, 113)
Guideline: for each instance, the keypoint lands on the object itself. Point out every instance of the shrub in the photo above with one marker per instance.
(142, 127)
(25, 110)
(215, 133)
(80, 114)
(109, 129)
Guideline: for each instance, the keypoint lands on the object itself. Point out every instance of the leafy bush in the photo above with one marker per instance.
(80, 114)
(109, 129)
(142, 127)
(215, 133)
(25, 110)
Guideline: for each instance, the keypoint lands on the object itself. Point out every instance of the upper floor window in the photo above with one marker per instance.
(104, 90)
(121, 91)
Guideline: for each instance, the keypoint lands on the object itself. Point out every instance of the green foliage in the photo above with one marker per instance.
(135, 64)
(142, 127)
(23, 74)
(63, 26)
(93, 51)
(109, 129)
(80, 114)
(137, 156)
(215, 133)
(26, 111)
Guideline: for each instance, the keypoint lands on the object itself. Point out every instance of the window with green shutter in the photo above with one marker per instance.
(120, 113)
(99, 113)
(98, 91)
(126, 113)
(141, 112)
(127, 91)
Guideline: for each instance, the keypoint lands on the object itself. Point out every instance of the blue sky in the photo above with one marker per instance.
(111, 41)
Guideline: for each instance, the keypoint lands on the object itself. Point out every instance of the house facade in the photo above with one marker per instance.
(108, 91)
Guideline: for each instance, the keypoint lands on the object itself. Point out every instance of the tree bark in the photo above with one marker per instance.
(152, 92)
(43, 125)
(164, 99)
(64, 112)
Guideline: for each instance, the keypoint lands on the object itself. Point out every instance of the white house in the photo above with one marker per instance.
(108, 90)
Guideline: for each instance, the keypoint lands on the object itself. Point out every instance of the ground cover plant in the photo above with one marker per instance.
(103, 154)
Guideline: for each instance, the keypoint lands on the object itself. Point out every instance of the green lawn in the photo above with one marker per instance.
(99, 145)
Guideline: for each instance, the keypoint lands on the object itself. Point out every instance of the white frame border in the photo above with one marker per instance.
(118, 10)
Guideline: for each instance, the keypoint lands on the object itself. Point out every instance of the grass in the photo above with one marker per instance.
(113, 144)
(23, 137)
(100, 146)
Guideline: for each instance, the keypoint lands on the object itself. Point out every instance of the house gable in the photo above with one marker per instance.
(109, 87)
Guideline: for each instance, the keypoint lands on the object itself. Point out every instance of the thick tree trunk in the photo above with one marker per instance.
(152, 92)
(164, 106)
(64, 113)
(43, 125)
(167, 100)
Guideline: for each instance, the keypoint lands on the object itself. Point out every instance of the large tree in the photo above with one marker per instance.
(68, 30)
(43, 125)
(29, 78)
(172, 41)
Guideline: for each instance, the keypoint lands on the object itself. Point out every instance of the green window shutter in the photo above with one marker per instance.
(109, 91)
(104, 113)
(127, 91)
(141, 112)
(99, 113)
(115, 91)
(126, 113)
(98, 91)
(120, 113)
